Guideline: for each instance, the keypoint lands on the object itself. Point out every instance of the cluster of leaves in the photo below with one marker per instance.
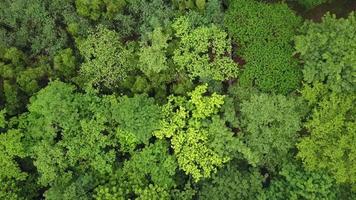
(330, 92)
(203, 52)
(175, 99)
(264, 33)
(326, 57)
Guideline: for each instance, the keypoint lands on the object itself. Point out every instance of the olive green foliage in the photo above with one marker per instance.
(189, 4)
(232, 183)
(64, 63)
(2, 118)
(94, 9)
(153, 162)
(330, 144)
(203, 52)
(28, 24)
(177, 99)
(264, 33)
(10, 174)
(294, 183)
(329, 90)
(19, 80)
(106, 59)
(327, 49)
(152, 57)
(312, 3)
(270, 124)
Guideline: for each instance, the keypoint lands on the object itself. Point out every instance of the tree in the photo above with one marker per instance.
(263, 33)
(147, 175)
(13, 180)
(270, 68)
(330, 144)
(106, 59)
(70, 133)
(326, 49)
(269, 125)
(31, 26)
(137, 118)
(64, 63)
(203, 52)
(232, 183)
(200, 140)
(152, 58)
(250, 22)
(293, 183)
(94, 9)
(312, 3)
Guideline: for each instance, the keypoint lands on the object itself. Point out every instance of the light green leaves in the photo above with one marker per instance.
(152, 58)
(203, 52)
(331, 145)
(196, 132)
(107, 61)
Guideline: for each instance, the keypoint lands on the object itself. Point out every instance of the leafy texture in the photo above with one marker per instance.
(264, 33)
(152, 58)
(198, 136)
(230, 183)
(203, 52)
(148, 175)
(331, 145)
(270, 125)
(295, 183)
(106, 59)
(328, 52)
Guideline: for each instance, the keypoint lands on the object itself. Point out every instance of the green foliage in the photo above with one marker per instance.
(189, 4)
(137, 118)
(145, 16)
(250, 22)
(94, 9)
(20, 80)
(152, 58)
(327, 49)
(230, 183)
(10, 174)
(330, 145)
(264, 33)
(203, 52)
(199, 138)
(106, 59)
(64, 63)
(270, 68)
(294, 183)
(2, 118)
(270, 124)
(148, 175)
(176, 99)
(30, 25)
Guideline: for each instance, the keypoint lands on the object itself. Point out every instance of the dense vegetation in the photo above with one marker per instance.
(176, 99)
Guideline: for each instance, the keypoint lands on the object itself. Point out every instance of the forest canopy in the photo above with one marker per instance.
(177, 99)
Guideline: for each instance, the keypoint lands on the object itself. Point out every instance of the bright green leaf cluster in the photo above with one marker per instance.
(203, 52)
